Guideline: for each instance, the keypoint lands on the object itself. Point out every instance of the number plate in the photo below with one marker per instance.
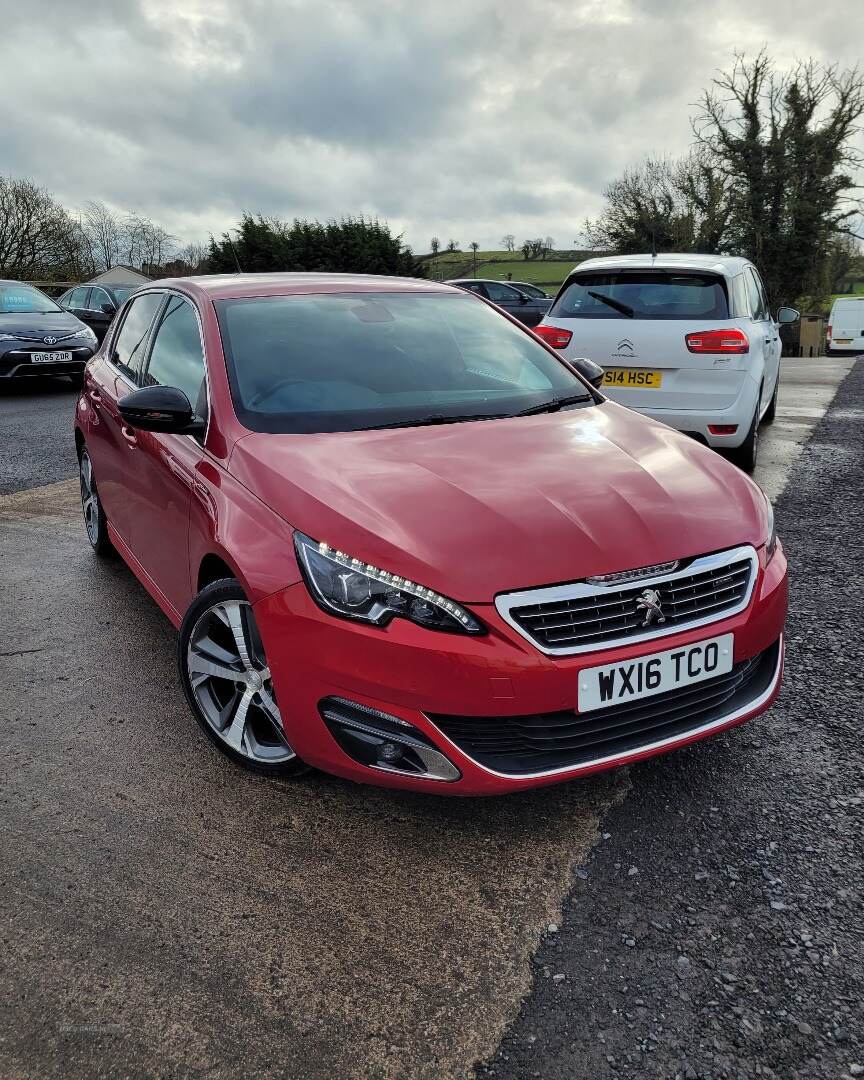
(50, 357)
(635, 378)
(655, 673)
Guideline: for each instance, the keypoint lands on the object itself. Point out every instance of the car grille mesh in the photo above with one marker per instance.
(546, 741)
(613, 615)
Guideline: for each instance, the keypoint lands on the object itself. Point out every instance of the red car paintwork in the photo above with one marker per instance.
(469, 510)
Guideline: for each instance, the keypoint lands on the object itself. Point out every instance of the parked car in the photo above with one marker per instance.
(686, 339)
(845, 331)
(516, 302)
(404, 542)
(39, 338)
(96, 305)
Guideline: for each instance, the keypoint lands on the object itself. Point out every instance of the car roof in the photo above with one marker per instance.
(729, 265)
(235, 286)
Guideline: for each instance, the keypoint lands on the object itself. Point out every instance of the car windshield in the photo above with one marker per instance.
(25, 300)
(344, 362)
(648, 294)
(121, 295)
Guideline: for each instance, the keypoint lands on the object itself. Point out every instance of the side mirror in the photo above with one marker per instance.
(788, 315)
(160, 408)
(589, 371)
(524, 298)
(108, 309)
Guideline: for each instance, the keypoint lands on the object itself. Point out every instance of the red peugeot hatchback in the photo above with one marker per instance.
(405, 542)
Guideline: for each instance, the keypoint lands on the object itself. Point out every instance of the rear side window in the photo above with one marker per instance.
(176, 358)
(642, 294)
(132, 338)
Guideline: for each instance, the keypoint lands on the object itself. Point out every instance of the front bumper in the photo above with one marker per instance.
(412, 674)
(17, 363)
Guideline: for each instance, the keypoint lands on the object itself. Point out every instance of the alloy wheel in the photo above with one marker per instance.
(89, 499)
(230, 682)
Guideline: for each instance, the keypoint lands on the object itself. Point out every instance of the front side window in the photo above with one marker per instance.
(25, 300)
(98, 297)
(176, 358)
(131, 340)
(500, 294)
(642, 294)
(353, 361)
(761, 300)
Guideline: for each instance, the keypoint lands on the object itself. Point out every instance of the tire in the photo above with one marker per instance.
(95, 521)
(771, 411)
(227, 682)
(744, 456)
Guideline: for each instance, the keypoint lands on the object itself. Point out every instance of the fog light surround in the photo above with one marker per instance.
(384, 742)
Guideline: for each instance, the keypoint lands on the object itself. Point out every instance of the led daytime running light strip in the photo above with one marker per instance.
(403, 584)
(634, 575)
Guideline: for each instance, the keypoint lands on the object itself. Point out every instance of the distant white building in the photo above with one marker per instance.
(119, 275)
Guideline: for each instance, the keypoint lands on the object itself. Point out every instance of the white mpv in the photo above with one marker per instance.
(686, 339)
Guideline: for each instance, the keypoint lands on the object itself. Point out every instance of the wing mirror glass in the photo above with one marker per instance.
(108, 309)
(788, 315)
(160, 408)
(589, 371)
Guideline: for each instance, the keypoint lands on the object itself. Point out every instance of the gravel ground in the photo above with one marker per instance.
(717, 931)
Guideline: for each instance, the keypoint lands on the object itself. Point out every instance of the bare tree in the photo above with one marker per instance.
(548, 246)
(435, 245)
(193, 256)
(103, 231)
(145, 244)
(38, 238)
(508, 241)
(531, 249)
(452, 245)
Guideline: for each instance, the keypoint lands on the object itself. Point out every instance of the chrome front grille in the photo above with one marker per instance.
(583, 617)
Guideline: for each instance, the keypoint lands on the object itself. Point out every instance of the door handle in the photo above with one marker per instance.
(129, 435)
(95, 396)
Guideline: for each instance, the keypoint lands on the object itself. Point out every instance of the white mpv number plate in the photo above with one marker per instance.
(50, 357)
(654, 673)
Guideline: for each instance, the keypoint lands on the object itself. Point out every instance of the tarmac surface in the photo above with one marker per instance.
(165, 914)
(718, 929)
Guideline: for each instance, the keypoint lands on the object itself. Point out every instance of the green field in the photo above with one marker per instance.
(547, 273)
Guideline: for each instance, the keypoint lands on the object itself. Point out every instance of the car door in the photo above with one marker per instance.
(512, 301)
(115, 372)
(767, 333)
(76, 302)
(96, 317)
(166, 464)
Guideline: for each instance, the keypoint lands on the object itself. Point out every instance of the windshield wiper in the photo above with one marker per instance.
(625, 309)
(555, 404)
(437, 418)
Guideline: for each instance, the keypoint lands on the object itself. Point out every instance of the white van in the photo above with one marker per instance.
(846, 326)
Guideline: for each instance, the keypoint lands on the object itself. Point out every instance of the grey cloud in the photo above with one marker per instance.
(461, 119)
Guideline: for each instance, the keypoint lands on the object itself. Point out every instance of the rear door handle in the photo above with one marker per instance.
(95, 396)
(129, 435)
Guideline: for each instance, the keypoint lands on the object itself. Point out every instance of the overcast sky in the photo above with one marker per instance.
(463, 119)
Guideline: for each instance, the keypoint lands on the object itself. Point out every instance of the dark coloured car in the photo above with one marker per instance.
(516, 302)
(96, 305)
(37, 337)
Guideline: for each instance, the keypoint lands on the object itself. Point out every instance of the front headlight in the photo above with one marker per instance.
(85, 334)
(8, 337)
(771, 540)
(358, 590)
